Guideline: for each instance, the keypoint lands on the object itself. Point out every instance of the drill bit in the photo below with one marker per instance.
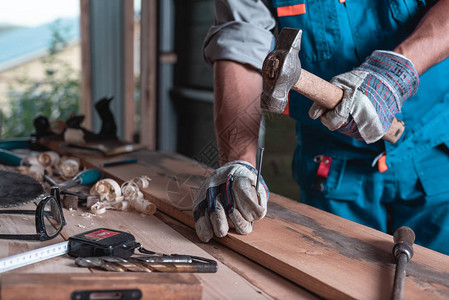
(193, 264)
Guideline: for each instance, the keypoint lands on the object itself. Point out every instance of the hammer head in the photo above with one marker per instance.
(281, 70)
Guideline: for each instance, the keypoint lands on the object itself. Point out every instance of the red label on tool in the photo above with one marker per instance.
(101, 234)
(323, 168)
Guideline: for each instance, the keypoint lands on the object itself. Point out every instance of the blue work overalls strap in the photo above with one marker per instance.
(337, 36)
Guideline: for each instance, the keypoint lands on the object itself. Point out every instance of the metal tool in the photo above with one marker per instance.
(100, 241)
(7, 157)
(33, 256)
(259, 168)
(85, 177)
(282, 71)
(117, 264)
(403, 238)
(111, 250)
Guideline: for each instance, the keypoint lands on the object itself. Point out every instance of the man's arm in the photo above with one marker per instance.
(237, 110)
(236, 46)
(231, 193)
(365, 113)
(429, 42)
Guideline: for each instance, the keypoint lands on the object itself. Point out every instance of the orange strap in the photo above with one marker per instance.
(382, 164)
(292, 10)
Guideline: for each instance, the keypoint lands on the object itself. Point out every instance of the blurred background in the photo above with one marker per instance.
(58, 58)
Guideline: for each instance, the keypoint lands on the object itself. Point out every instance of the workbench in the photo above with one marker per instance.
(295, 252)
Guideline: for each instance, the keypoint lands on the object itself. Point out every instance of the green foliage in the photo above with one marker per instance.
(56, 96)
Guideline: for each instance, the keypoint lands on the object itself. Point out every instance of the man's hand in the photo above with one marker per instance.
(373, 94)
(229, 194)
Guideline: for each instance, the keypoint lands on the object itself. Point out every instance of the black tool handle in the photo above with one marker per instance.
(403, 238)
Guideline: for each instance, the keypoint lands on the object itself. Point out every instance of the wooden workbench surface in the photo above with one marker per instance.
(152, 233)
(327, 255)
(232, 281)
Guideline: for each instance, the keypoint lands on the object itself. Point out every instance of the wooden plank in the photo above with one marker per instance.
(128, 67)
(328, 255)
(65, 286)
(148, 72)
(157, 236)
(268, 281)
(21, 224)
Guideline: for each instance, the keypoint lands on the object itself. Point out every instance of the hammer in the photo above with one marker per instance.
(282, 71)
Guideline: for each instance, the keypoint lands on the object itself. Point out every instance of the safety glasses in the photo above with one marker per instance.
(49, 218)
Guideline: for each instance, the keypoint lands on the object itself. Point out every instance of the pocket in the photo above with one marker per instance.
(344, 181)
(405, 11)
(433, 170)
(318, 21)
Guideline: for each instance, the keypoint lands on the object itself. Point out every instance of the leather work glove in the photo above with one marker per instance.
(229, 194)
(372, 94)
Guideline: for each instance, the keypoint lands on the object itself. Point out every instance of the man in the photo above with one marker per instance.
(378, 52)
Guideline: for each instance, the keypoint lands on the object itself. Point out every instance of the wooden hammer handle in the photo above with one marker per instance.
(328, 96)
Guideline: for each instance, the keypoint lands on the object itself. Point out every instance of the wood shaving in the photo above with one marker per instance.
(69, 167)
(142, 181)
(48, 158)
(31, 160)
(124, 197)
(131, 191)
(35, 171)
(87, 215)
(98, 208)
(51, 162)
(123, 205)
(144, 206)
(108, 190)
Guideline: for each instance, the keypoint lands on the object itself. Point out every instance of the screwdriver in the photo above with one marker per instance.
(85, 177)
(9, 158)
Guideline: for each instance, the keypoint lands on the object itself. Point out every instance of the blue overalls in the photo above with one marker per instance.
(337, 36)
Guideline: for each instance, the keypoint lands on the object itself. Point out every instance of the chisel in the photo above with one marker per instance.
(403, 238)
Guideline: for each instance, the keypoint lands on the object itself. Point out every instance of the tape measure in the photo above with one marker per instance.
(33, 256)
(97, 242)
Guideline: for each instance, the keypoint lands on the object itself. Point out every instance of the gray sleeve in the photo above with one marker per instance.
(242, 32)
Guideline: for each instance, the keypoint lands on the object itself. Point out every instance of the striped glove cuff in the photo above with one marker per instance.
(389, 73)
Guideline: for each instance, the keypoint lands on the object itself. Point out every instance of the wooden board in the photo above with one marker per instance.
(148, 230)
(65, 286)
(20, 224)
(330, 256)
(267, 280)
(154, 235)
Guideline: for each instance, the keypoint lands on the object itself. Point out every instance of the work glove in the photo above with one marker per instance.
(372, 94)
(229, 194)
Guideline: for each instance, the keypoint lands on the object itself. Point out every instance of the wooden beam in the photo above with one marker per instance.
(128, 69)
(104, 286)
(86, 89)
(149, 50)
(328, 255)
